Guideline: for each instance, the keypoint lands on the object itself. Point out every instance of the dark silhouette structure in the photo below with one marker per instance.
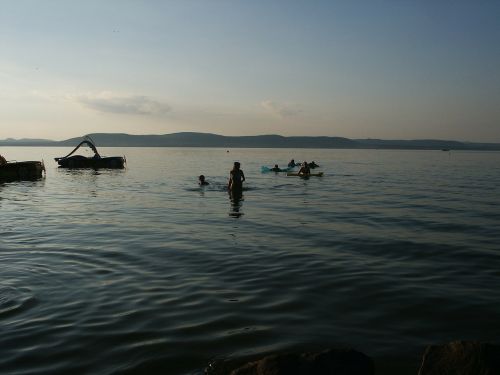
(97, 161)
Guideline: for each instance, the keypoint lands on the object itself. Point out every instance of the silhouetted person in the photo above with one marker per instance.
(292, 163)
(236, 178)
(201, 180)
(276, 168)
(304, 170)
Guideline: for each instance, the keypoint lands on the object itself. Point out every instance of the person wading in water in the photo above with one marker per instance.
(236, 178)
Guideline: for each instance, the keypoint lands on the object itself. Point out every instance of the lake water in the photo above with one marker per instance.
(140, 271)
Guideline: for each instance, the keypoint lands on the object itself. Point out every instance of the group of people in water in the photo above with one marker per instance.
(237, 177)
(311, 165)
(305, 167)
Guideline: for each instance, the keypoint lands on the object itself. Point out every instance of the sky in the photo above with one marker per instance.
(359, 69)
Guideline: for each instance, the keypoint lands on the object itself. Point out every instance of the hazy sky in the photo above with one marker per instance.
(359, 69)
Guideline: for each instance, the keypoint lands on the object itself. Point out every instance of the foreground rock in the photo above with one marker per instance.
(331, 362)
(461, 358)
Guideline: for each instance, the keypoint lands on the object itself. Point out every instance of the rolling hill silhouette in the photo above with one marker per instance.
(192, 139)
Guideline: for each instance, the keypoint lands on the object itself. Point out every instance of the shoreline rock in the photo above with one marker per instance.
(326, 362)
(461, 358)
(453, 358)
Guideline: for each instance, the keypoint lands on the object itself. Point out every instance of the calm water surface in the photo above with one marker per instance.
(141, 271)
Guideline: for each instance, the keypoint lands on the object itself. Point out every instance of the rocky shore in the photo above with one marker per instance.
(454, 358)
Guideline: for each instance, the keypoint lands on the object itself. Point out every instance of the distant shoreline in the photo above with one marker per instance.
(260, 141)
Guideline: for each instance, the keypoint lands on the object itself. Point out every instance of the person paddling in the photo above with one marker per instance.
(304, 170)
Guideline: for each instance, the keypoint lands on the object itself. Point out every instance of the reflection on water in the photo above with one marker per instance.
(236, 199)
(90, 182)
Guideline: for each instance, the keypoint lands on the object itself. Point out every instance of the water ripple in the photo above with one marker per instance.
(15, 301)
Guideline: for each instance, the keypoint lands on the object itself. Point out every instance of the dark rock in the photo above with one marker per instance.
(331, 362)
(461, 358)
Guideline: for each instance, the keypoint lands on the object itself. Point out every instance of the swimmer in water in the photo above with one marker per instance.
(201, 180)
(276, 168)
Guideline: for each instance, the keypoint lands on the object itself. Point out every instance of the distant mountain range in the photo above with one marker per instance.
(265, 141)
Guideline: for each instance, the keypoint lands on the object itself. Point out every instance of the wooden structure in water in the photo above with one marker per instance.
(23, 170)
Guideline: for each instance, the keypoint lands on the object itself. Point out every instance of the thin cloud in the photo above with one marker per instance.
(280, 110)
(130, 104)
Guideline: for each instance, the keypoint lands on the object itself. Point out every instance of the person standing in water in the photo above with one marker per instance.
(236, 178)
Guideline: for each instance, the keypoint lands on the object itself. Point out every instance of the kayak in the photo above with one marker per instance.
(319, 174)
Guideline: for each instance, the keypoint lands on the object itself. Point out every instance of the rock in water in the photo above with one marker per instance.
(461, 358)
(328, 362)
